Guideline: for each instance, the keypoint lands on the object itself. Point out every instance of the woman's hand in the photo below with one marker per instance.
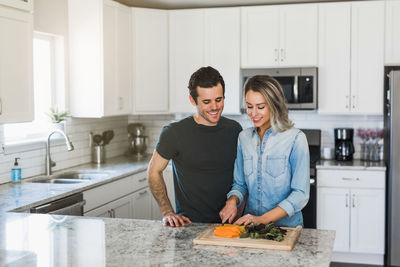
(249, 219)
(228, 213)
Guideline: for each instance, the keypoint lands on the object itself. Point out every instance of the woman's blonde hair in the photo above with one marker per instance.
(273, 94)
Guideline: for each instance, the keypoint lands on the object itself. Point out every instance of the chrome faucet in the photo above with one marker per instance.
(49, 162)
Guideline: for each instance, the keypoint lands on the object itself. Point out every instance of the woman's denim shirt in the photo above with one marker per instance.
(275, 173)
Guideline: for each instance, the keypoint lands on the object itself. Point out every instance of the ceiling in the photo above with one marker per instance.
(177, 4)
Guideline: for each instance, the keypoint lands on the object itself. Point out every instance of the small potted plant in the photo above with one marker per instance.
(58, 118)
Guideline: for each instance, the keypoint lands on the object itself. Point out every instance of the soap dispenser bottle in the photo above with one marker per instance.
(16, 172)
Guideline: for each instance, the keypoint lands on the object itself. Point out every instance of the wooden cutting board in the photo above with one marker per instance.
(207, 237)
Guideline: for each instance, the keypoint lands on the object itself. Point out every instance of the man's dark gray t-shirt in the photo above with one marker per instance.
(202, 159)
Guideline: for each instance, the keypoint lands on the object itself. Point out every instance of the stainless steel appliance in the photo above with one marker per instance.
(392, 158)
(310, 210)
(299, 85)
(344, 148)
(137, 139)
(71, 205)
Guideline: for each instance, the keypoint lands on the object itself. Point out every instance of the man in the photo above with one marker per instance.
(203, 151)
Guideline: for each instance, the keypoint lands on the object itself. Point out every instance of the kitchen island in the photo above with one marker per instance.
(57, 240)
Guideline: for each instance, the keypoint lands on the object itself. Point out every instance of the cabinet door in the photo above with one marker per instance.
(367, 57)
(260, 36)
(392, 32)
(222, 50)
(334, 57)
(110, 58)
(124, 59)
(16, 91)
(119, 208)
(142, 204)
(186, 55)
(367, 221)
(298, 38)
(333, 213)
(150, 60)
(103, 211)
(122, 208)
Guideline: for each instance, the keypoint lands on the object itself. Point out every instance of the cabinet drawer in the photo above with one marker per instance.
(349, 179)
(106, 193)
(139, 181)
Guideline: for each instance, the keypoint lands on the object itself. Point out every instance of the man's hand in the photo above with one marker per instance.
(229, 212)
(174, 220)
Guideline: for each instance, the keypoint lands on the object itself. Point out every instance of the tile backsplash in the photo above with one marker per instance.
(302, 119)
(32, 162)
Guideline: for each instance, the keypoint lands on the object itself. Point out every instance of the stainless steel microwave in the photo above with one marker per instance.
(299, 85)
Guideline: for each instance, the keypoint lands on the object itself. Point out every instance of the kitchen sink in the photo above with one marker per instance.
(71, 177)
(50, 180)
(80, 175)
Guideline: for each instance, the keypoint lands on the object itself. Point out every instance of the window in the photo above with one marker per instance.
(48, 86)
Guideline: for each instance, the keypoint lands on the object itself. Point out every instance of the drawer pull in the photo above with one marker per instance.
(143, 179)
(143, 193)
(347, 200)
(353, 201)
(350, 179)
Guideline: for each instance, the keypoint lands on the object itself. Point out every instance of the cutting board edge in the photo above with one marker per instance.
(228, 242)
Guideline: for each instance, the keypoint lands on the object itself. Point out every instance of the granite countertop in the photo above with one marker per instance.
(351, 165)
(24, 195)
(56, 240)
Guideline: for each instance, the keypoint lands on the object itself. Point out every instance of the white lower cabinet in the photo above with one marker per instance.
(353, 204)
(120, 208)
(128, 198)
(141, 202)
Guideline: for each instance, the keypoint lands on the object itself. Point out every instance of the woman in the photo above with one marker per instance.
(273, 162)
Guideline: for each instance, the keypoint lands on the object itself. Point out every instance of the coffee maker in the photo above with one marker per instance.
(344, 148)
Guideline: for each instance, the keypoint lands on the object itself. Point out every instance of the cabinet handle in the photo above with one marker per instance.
(276, 54)
(282, 54)
(347, 101)
(353, 101)
(347, 200)
(143, 193)
(1, 106)
(143, 179)
(353, 200)
(350, 179)
(121, 103)
(109, 213)
(112, 213)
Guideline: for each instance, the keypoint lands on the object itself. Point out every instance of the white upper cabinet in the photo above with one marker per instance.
(284, 35)
(204, 37)
(26, 5)
(222, 51)
(100, 58)
(392, 32)
(334, 57)
(16, 86)
(351, 58)
(367, 51)
(150, 60)
(186, 55)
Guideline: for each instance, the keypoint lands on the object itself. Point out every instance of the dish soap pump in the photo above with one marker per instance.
(16, 172)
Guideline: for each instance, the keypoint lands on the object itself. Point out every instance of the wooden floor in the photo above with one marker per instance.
(340, 264)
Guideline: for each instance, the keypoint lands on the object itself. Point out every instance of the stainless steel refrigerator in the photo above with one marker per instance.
(392, 158)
